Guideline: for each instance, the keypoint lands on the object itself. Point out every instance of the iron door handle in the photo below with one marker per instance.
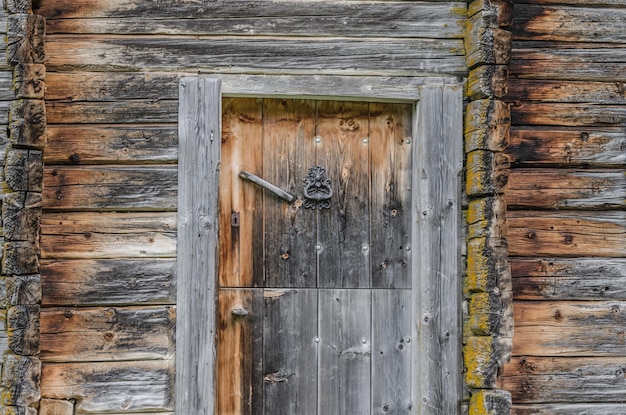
(267, 185)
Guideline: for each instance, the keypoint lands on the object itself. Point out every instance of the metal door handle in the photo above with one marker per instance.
(267, 185)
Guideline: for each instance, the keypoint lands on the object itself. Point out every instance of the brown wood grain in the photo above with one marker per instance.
(566, 189)
(610, 93)
(569, 115)
(567, 234)
(115, 112)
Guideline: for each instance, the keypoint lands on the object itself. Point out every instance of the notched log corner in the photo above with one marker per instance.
(20, 379)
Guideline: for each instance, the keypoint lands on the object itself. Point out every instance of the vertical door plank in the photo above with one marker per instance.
(290, 237)
(199, 130)
(436, 178)
(290, 351)
(344, 228)
(345, 351)
(390, 216)
(242, 148)
(239, 351)
(391, 351)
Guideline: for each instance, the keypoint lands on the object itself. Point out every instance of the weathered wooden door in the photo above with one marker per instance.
(314, 295)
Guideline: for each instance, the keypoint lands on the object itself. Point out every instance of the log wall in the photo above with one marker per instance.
(566, 200)
(108, 231)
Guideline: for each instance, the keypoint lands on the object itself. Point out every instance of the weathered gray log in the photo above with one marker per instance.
(487, 173)
(25, 37)
(24, 170)
(569, 409)
(27, 123)
(23, 329)
(20, 379)
(29, 81)
(56, 407)
(20, 258)
(487, 81)
(21, 214)
(23, 290)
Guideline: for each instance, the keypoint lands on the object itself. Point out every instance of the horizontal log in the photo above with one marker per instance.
(108, 282)
(364, 19)
(88, 334)
(569, 279)
(86, 235)
(561, 328)
(238, 54)
(587, 3)
(565, 380)
(94, 144)
(110, 387)
(573, 61)
(569, 409)
(569, 115)
(138, 111)
(611, 93)
(575, 189)
(569, 24)
(567, 234)
(110, 187)
(570, 147)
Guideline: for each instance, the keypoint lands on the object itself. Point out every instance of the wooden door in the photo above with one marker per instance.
(314, 298)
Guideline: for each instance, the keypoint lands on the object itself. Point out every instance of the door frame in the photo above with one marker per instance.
(436, 231)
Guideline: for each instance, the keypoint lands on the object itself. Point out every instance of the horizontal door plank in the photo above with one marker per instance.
(110, 187)
(87, 235)
(111, 144)
(565, 380)
(122, 387)
(108, 282)
(570, 409)
(570, 147)
(563, 328)
(580, 189)
(569, 24)
(567, 234)
(569, 279)
(118, 112)
(363, 19)
(88, 334)
(399, 56)
(571, 115)
(566, 91)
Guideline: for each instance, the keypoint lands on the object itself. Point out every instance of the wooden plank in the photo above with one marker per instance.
(566, 189)
(567, 234)
(242, 149)
(137, 111)
(571, 147)
(90, 235)
(391, 352)
(84, 334)
(390, 211)
(571, 115)
(590, 328)
(569, 24)
(389, 19)
(569, 279)
(290, 353)
(111, 144)
(435, 250)
(401, 56)
(565, 380)
(344, 351)
(343, 229)
(199, 130)
(239, 362)
(110, 187)
(570, 409)
(109, 387)
(290, 230)
(108, 282)
(563, 61)
(611, 93)
(587, 3)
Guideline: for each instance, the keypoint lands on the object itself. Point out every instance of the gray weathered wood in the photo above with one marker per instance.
(344, 229)
(110, 387)
(344, 351)
(290, 231)
(392, 349)
(435, 245)
(570, 409)
(200, 142)
(324, 55)
(290, 353)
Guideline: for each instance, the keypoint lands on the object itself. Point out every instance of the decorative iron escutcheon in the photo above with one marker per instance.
(317, 190)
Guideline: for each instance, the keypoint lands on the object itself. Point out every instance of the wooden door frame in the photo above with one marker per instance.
(436, 234)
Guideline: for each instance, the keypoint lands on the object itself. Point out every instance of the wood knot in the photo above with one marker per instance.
(558, 315)
(67, 313)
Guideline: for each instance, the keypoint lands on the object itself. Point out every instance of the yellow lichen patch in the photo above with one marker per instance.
(478, 356)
